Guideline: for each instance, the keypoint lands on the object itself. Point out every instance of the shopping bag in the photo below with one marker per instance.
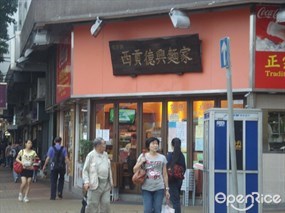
(167, 209)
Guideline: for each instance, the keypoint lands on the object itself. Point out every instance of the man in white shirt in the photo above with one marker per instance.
(97, 178)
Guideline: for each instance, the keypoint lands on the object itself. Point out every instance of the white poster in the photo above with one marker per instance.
(103, 133)
(177, 130)
(106, 134)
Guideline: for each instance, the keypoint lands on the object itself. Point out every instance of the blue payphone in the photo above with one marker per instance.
(217, 186)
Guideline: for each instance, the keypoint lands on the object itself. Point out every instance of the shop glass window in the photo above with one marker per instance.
(177, 123)
(152, 120)
(127, 130)
(276, 131)
(85, 146)
(199, 108)
(104, 125)
(127, 144)
(68, 139)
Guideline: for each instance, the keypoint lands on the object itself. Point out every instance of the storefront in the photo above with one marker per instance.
(135, 80)
(125, 125)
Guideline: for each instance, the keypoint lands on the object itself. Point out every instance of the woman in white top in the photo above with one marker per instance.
(26, 157)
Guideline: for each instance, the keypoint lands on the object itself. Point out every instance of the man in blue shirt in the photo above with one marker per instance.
(59, 158)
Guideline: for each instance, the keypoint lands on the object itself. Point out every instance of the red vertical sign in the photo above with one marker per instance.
(270, 49)
(63, 72)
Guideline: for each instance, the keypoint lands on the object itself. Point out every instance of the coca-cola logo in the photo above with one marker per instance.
(264, 12)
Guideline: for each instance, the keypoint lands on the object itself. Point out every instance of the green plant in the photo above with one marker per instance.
(85, 146)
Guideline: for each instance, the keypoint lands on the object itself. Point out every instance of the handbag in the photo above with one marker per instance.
(139, 176)
(176, 173)
(18, 167)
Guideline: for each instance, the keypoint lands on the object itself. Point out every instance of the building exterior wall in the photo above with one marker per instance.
(92, 74)
(92, 68)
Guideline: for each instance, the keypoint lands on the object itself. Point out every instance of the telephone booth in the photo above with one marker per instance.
(217, 175)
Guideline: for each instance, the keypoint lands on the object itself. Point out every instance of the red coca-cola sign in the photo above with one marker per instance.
(267, 13)
(265, 16)
(270, 49)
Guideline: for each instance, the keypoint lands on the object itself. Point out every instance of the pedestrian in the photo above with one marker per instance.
(2, 154)
(155, 185)
(26, 157)
(175, 157)
(57, 155)
(16, 148)
(8, 155)
(97, 178)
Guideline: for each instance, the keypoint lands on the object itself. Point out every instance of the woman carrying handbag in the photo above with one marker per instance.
(155, 186)
(176, 159)
(26, 157)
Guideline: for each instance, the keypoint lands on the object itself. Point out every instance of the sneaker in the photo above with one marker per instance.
(59, 195)
(26, 200)
(20, 198)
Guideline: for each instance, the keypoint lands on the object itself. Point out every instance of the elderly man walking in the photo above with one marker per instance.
(97, 178)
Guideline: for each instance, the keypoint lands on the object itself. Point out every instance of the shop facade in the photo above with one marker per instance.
(141, 77)
(153, 95)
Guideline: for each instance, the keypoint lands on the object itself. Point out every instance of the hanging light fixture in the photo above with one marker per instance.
(179, 19)
(96, 27)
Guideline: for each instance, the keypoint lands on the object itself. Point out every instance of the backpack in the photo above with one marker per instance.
(14, 152)
(58, 161)
(177, 172)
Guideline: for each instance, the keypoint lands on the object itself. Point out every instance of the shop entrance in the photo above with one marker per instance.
(127, 127)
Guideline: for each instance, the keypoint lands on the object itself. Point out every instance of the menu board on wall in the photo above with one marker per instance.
(177, 130)
(270, 49)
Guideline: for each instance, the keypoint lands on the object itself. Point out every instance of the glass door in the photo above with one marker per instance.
(127, 127)
(177, 124)
(199, 108)
(152, 122)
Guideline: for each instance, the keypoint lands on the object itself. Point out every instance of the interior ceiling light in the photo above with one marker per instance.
(179, 19)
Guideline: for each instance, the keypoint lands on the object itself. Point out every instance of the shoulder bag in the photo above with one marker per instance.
(18, 167)
(139, 176)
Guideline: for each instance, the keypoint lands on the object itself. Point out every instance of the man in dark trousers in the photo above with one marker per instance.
(57, 155)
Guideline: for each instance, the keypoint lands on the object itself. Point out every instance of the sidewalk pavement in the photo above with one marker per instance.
(71, 202)
(40, 203)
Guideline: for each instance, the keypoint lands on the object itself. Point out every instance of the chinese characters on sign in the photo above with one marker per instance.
(270, 49)
(273, 62)
(161, 55)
